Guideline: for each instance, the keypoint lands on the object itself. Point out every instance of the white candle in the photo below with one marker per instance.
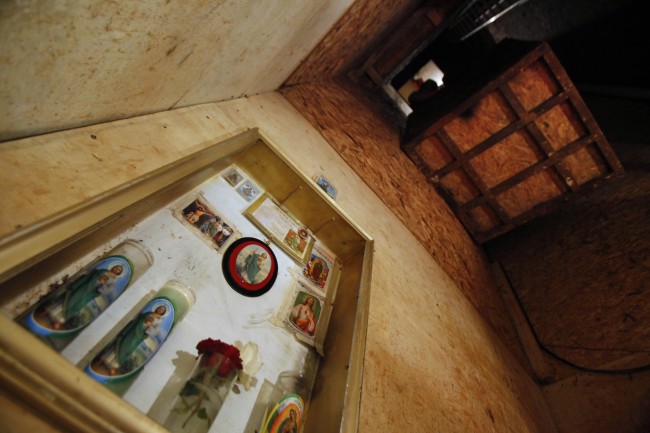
(66, 311)
(119, 363)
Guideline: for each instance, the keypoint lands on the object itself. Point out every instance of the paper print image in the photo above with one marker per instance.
(83, 298)
(295, 241)
(233, 177)
(305, 313)
(326, 186)
(317, 270)
(253, 264)
(136, 343)
(211, 225)
(248, 190)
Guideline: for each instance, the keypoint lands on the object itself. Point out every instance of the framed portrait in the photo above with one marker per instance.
(250, 267)
(205, 222)
(281, 227)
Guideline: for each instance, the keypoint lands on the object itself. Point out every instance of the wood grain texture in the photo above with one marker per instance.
(360, 134)
(69, 64)
(533, 85)
(352, 39)
(601, 404)
(582, 272)
(519, 131)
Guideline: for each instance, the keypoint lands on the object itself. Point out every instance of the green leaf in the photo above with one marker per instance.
(202, 413)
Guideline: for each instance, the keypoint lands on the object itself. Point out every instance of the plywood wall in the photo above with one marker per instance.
(354, 37)
(360, 133)
(71, 63)
(582, 276)
(432, 363)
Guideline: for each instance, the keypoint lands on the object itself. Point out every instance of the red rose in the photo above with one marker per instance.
(216, 352)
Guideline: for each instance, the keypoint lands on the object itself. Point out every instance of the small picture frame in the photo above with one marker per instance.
(281, 227)
(326, 186)
(233, 176)
(248, 190)
(250, 267)
(207, 223)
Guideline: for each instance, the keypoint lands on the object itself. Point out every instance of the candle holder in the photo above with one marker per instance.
(287, 404)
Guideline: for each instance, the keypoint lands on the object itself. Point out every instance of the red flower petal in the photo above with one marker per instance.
(226, 367)
(210, 347)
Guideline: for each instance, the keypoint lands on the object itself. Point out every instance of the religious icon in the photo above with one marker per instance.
(317, 270)
(296, 242)
(233, 177)
(305, 313)
(135, 344)
(250, 267)
(284, 229)
(63, 313)
(248, 190)
(209, 223)
(326, 186)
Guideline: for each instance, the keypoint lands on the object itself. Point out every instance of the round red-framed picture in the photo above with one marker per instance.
(250, 267)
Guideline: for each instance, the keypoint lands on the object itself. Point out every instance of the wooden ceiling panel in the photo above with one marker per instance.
(517, 148)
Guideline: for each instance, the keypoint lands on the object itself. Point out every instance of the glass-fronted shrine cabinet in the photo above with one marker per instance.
(45, 388)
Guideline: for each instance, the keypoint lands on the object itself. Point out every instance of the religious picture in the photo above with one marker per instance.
(233, 176)
(296, 242)
(248, 190)
(317, 270)
(285, 416)
(208, 224)
(83, 298)
(136, 343)
(250, 267)
(305, 313)
(253, 264)
(326, 186)
(321, 268)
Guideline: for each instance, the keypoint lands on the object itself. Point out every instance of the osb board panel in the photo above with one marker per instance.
(506, 158)
(433, 153)
(459, 186)
(483, 218)
(488, 116)
(583, 165)
(581, 273)
(67, 64)
(561, 125)
(523, 124)
(355, 127)
(352, 39)
(536, 189)
(534, 84)
(592, 403)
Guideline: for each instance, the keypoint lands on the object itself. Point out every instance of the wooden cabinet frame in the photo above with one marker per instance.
(55, 393)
